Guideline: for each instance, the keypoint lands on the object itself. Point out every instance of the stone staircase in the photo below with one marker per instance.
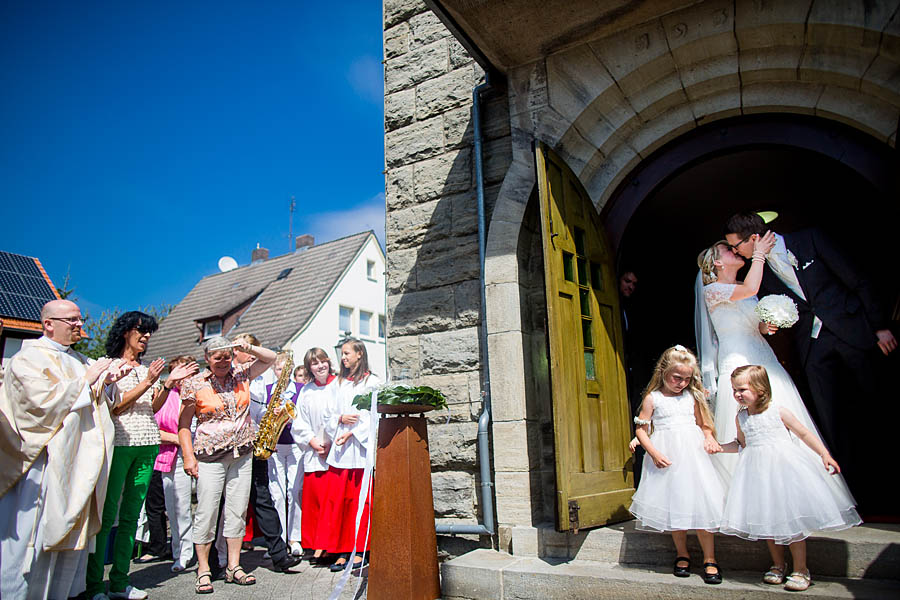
(618, 562)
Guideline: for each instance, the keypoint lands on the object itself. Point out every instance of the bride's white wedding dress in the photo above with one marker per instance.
(736, 330)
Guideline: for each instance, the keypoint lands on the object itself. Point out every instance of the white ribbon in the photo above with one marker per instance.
(363, 494)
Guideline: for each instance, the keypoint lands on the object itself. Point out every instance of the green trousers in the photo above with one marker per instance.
(129, 478)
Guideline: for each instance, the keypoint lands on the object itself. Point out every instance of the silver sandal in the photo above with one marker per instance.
(797, 582)
(775, 575)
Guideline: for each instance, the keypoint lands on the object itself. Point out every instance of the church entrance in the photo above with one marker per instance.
(808, 171)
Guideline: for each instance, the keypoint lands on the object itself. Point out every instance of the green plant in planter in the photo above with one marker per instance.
(402, 394)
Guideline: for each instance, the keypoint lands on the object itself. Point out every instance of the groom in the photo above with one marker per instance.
(841, 323)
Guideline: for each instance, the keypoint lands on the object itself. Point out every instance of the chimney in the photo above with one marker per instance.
(304, 241)
(259, 254)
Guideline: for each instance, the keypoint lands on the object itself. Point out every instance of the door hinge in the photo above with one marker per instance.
(573, 515)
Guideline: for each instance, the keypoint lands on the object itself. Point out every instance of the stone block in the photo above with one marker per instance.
(859, 110)
(401, 10)
(449, 351)
(399, 109)
(403, 352)
(711, 76)
(464, 213)
(701, 32)
(575, 78)
(511, 445)
(883, 80)
(449, 173)
(399, 187)
(513, 494)
(458, 126)
(453, 494)
(467, 303)
(527, 89)
(425, 28)
(401, 270)
(421, 312)
(501, 263)
(495, 116)
(780, 96)
(478, 574)
(452, 446)
(418, 223)
(414, 142)
(507, 376)
(459, 56)
(497, 158)
(720, 105)
(770, 24)
(836, 66)
(602, 182)
(575, 150)
(436, 95)
(454, 386)
(503, 301)
(760, 65)
(447, 261)
(415, 66)
(396, 40)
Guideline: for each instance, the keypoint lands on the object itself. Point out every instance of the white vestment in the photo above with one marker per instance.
(56, 439)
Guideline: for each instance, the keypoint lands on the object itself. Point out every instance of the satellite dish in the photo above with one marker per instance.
(226, 263)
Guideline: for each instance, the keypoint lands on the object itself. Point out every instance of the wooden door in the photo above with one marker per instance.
(591, 413)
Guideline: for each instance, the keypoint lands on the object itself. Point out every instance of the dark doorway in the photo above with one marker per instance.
(811, 172)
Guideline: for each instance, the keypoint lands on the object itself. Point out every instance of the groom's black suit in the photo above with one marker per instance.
(843, 299)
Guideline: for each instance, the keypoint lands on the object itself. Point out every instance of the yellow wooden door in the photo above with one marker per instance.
(591, 413)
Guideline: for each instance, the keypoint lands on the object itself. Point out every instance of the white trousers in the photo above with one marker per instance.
(231, 476)
(177, 492)
(26, 571)
(285, 486)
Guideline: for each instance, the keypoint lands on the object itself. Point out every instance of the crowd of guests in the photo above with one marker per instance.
(144, 438)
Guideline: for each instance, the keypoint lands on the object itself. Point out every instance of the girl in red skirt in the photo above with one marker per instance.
(350, 429)
(316, 401)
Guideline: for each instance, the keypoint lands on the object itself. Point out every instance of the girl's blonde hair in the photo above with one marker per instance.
(706, 261)
(758, 381)
(681, 356)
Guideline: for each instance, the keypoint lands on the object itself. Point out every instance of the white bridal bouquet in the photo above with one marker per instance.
(777, 309)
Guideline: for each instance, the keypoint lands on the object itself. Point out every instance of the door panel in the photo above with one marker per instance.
(591, 415)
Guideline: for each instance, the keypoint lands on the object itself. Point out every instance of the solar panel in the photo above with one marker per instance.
(23, 289)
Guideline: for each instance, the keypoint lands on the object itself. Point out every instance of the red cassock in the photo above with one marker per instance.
(337, 521)
(313, 501)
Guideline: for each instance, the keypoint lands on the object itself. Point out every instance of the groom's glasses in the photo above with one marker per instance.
(740, 243)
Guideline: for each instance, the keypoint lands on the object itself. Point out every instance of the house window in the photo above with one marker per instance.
(345, 318)
(212, 328)
(381, 326)
(370, 269)
(365, 323)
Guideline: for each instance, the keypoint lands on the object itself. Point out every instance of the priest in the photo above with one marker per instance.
(56, 440)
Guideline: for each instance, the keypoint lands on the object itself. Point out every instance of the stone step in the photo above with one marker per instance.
(869, 551)
(488, 574)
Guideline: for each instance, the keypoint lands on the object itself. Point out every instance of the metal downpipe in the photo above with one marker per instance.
(484, 456)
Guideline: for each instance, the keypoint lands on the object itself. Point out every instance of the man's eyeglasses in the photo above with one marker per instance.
(72, 321)
(740, 243)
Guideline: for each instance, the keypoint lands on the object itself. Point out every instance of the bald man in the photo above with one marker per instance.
(56, 440)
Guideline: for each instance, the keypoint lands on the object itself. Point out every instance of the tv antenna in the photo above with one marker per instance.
(291, 225)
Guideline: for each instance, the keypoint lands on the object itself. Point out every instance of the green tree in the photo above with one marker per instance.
(94, 346)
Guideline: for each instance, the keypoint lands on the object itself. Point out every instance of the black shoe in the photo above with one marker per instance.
(682, 571)
(711, 578)
(339, 566)
(361, 564)
(285, 564)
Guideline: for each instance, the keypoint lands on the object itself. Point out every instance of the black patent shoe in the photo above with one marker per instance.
(711, 578)
(682, 571)
(339, 566)
(285, 565)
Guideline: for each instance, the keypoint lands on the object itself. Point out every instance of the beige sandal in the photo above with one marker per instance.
(775, 575)
(797, 582)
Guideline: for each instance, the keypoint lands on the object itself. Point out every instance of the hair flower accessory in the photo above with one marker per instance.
(680, 348)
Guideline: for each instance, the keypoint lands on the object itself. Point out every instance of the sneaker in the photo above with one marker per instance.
(130, 593)
(296, 549)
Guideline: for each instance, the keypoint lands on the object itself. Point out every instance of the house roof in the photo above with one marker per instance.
(24, 288)
(278, 307)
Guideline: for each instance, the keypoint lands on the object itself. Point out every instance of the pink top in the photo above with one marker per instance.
(167, 419)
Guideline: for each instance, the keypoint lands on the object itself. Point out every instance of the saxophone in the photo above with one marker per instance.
(271, 425)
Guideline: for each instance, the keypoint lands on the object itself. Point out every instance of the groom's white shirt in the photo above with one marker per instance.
(779, 259)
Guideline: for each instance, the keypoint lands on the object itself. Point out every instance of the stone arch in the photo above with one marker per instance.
(607, 105)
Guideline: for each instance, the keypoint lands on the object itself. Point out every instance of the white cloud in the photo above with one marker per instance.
(327, 226)
(367, 79)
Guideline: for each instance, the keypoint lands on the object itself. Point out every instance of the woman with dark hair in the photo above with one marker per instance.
(136, 398)
(349, 428)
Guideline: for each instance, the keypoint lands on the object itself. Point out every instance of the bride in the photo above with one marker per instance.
(730, 335)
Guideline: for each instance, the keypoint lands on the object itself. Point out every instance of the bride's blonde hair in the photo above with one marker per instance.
(706, 261)
(681, 356)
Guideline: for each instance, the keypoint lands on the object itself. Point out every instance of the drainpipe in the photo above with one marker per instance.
(484, 456)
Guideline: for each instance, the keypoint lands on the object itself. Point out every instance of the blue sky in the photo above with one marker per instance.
(140, 142)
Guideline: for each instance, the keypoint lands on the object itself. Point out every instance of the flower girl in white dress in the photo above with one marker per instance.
(780, 491)
(680, 488)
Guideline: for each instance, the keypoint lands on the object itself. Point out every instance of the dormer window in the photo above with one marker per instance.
(212, 329)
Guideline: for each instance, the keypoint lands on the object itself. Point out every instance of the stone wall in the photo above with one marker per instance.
(434, 307)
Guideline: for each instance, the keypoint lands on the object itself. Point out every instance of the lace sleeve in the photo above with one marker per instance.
(717, 293)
